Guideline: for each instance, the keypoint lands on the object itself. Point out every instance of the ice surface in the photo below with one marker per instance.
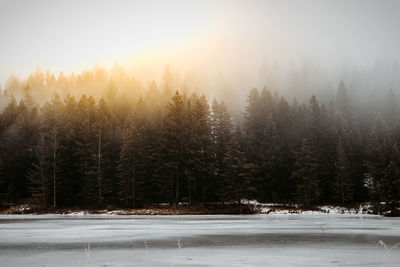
(186, 240)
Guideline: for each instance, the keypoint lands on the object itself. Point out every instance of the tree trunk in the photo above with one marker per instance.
(43, 186)
(342, 193)
(306, 198)
(133, 187)
(203, 190)
(99, 167)
(190, 191)
(177, 187)
(240, 200)
(54, 169)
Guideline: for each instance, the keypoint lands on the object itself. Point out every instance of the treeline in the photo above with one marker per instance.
(172, 147)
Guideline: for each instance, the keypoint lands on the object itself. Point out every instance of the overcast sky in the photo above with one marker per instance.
(73, 35)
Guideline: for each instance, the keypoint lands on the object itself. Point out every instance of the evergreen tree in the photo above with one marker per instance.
(272, 148)
(253, 123)
(343, 100)
(175, 144)
(200, 156)
(69, 163)
(155, 157)
(86, 143)
(305, 175)
(232, 171)
(131, 167)
(222, 132)
(109, 143)
(52, 129)
(344, 189)
(236, 174)
(266, 148)
(321, 137)
(389, 188)
(391, 110)
(380, 152)
(20, 138)
(39, 175)
(170, 148)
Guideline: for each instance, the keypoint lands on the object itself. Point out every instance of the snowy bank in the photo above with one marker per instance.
(247, 207)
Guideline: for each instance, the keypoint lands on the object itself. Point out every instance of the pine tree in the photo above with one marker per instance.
(380, 151)
(343, 188)
(155, 157)
(19, 140)
(390, 111)
(51, 128)
(168, 86)
(343, 100)
(222, 132)
(69, 163)
(236, 174)
(258, 108)
(86, 143)
(271, 158)
(231, 171)
(108, 151)
(389, 188)
(126, 165)
(175, 144)
(265, 147)
(321, 137)
(253, 123)
(28, 99)
(305, 175)
(39, 175)
(201, 149)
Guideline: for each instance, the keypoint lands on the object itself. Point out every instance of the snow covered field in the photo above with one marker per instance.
(190, 240)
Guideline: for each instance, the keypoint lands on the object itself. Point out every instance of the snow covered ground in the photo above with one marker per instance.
(335, 210)
(199, 240)
(276, 208)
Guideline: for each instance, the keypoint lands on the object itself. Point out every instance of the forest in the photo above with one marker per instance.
(174, 145)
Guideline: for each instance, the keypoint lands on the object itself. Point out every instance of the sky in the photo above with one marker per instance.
(73, 35)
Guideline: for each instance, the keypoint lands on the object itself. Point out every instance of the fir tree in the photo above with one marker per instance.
(305, 175)
(126, 165)
(175, 144)
(343, 188)
(389, 188)
(343, 100)
(39, 175)
(380, 151)
(201, 141)
(236, 174)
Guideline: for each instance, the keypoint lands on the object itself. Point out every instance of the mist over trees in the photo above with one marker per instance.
(368, 86)
(97, 139)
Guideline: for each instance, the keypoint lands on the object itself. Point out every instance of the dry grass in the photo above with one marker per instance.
(150, 210)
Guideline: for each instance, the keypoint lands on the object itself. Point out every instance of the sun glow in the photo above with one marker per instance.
(71, 36)
(231, 39)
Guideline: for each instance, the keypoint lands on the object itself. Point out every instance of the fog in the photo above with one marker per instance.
(133, 103)
(221, 48)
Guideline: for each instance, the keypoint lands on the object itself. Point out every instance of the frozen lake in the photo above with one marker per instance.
(185, 240)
